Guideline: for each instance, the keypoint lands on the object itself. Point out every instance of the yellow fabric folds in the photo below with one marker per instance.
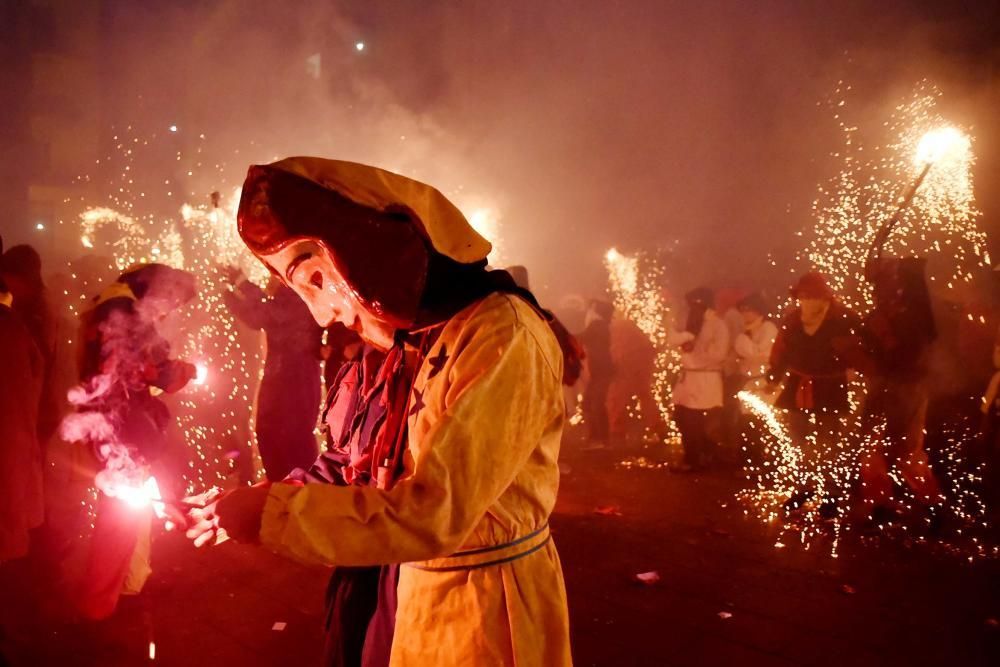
(485, 422)
(449, 232)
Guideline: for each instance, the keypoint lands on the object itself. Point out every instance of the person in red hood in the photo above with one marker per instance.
(811, 359)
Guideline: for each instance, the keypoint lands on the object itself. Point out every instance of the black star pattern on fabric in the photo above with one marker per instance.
(418, 403)
(437, 362)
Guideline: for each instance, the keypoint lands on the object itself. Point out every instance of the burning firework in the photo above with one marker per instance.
(940, 222)
(635, 287)
(214, 417)
(857, 215)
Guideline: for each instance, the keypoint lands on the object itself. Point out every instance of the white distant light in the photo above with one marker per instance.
(40, 226)
(360, 46)
(173, 128)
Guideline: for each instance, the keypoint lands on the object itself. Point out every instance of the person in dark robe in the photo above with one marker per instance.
(596, 341)
(896, 338)
(54, 332)
(22, 271)
(21, 500)
(811, 358)
(288, 400)
(21, 487)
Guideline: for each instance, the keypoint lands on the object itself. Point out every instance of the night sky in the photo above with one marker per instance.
(584, 124)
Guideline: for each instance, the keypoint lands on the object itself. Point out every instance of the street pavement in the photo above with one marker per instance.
(726, 595)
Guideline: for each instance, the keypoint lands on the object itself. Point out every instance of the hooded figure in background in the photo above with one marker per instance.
(22, 271)
(449, 467)
(54, 333)
(596, 341)
(125, 364)
(897, 337)
(21, 501)
(288, 400)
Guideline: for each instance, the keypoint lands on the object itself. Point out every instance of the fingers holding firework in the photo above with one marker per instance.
(216, 517)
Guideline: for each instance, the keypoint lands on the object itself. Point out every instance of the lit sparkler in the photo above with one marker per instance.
(634, 282)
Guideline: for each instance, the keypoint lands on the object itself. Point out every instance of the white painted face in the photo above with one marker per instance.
(308, 268)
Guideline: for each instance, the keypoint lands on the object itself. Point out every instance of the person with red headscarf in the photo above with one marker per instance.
(811, 357)
(460, 472)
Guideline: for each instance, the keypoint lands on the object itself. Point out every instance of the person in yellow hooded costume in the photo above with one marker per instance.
(463, 466)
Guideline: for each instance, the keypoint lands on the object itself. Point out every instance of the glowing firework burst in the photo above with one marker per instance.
(941, 223)
(634, 282)
(921, 179)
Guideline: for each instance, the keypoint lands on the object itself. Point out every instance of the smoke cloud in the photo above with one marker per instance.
(582, 124)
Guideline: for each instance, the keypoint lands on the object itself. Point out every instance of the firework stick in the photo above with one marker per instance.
(882, 236)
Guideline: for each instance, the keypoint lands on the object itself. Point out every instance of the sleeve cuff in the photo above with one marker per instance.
(275, 518)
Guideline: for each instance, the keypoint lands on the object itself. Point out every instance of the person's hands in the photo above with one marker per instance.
(234, 515)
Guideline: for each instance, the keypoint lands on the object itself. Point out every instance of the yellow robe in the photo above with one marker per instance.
(485, 421)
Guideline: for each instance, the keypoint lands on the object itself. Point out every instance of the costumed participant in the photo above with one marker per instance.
(752, 347)
(21, 500)
(462, 468)
(632, 410)
(54, 332)
(896, 338)
(596, 341)
(811, 357)
(698, 396)
(288, 400)
(125, 363)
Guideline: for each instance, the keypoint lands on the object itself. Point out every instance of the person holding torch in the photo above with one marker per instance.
(462, 468)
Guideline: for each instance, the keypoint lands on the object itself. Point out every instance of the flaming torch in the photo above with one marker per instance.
(934, 146)
(201, 373)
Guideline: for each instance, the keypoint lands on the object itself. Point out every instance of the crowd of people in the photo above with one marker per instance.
(413, 337)
(840, 382)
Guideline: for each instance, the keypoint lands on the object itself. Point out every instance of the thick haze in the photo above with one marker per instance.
(585, 124)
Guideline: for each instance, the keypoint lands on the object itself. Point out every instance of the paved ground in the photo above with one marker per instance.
(873, 605)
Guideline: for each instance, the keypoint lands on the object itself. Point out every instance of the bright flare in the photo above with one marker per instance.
(940, 144)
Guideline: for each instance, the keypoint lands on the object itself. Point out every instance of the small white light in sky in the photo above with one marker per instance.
(360, 46)
(173, 128)
(40, 226)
